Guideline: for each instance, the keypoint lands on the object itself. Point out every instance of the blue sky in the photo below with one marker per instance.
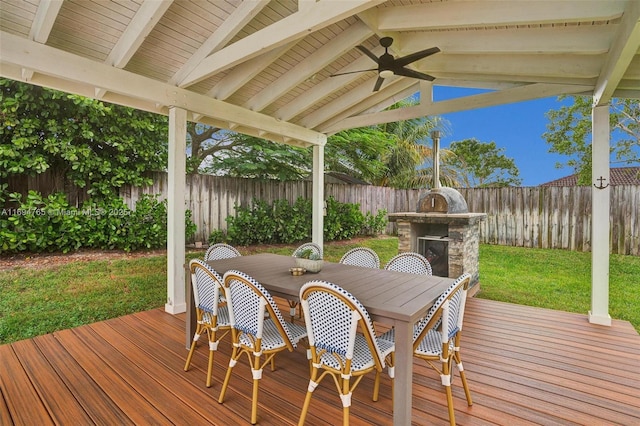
(517, 128)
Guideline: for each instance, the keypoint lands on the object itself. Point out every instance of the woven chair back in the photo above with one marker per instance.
(313, 246)
(447, 311)
(412, 263)
(249, 301)
(361, 256)
(333, 317)
(207, 286)
(221, 251)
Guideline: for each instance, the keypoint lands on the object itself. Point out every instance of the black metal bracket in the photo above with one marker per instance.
(601, 180)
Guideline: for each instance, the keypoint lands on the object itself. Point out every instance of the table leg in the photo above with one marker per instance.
(402, 398)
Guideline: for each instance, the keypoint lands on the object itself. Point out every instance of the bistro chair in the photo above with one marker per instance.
(221, 251)
(412, 263)
(315, 248)
(333, 316)
(361, 256)
(212, 315)
(436, 338)
(253, 334)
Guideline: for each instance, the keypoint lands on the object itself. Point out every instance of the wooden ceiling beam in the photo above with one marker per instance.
(621, 55)
(66, 67)
(241, 16)
(460, 14)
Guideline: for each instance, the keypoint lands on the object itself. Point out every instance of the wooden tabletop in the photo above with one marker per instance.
(387, 295)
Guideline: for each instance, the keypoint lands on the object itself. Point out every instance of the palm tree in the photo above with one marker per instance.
(409, 160)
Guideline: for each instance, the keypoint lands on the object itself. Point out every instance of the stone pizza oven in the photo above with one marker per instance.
(443, 230)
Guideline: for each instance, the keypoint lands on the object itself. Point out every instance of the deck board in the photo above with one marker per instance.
(524, 365)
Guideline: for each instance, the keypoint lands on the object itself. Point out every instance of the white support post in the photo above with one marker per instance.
(318, 207)
(600, 190)
(175, 212)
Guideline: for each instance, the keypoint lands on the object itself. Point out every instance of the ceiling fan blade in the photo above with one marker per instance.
(406, 60)
(378, 84)
(352, 72)
(368, 53)
(406, 72)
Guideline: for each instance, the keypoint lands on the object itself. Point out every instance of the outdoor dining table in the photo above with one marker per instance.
(393, 298)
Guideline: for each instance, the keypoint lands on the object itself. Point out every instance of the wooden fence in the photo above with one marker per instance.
(541, 217)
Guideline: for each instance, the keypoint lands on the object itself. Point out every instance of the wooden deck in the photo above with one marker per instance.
(524, 366)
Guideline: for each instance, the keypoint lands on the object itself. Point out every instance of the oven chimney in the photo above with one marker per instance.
(435, 135)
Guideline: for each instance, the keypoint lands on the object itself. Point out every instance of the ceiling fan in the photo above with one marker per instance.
(388, 65)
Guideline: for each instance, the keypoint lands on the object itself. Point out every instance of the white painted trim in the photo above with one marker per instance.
(176, 294)
(621, 54)
(600, 217)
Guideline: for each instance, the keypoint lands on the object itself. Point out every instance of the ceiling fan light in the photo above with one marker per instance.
(386, 73)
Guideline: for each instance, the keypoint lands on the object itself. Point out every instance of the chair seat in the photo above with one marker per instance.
(271, 337)
(223, 316)
(362, 357)
(431, 344)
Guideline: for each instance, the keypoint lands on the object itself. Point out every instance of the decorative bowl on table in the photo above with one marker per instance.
(297, 271)
(309, 264)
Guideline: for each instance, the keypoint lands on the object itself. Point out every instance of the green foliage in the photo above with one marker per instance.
(375, 224)
(50, 224)
(255, 158)
(569, 133)
(343, 220)
(284, 223)
(484, 164)
(308, 254)
(292, 221)
(217, 236)
(95, 145)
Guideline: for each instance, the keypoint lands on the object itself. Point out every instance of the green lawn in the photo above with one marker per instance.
(41, 301)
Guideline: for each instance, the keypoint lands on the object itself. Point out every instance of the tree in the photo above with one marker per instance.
(569, 133)
(409, 161)
(93, 144)
(251, 157)
(484, 164)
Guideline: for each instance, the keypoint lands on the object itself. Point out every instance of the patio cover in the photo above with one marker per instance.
(263, 68)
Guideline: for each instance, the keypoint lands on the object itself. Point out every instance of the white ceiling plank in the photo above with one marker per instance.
(244, 13)
(306, 68)
(65, 66)
(622, 53)
(517, 94)
(293, 27)
(138, 29)
(43, 22)
(484, 13)
(243, 73)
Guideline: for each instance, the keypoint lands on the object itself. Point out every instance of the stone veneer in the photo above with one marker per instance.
(462, 230)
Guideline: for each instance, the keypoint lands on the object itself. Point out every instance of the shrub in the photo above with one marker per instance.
(51, 224)
(281, 222)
